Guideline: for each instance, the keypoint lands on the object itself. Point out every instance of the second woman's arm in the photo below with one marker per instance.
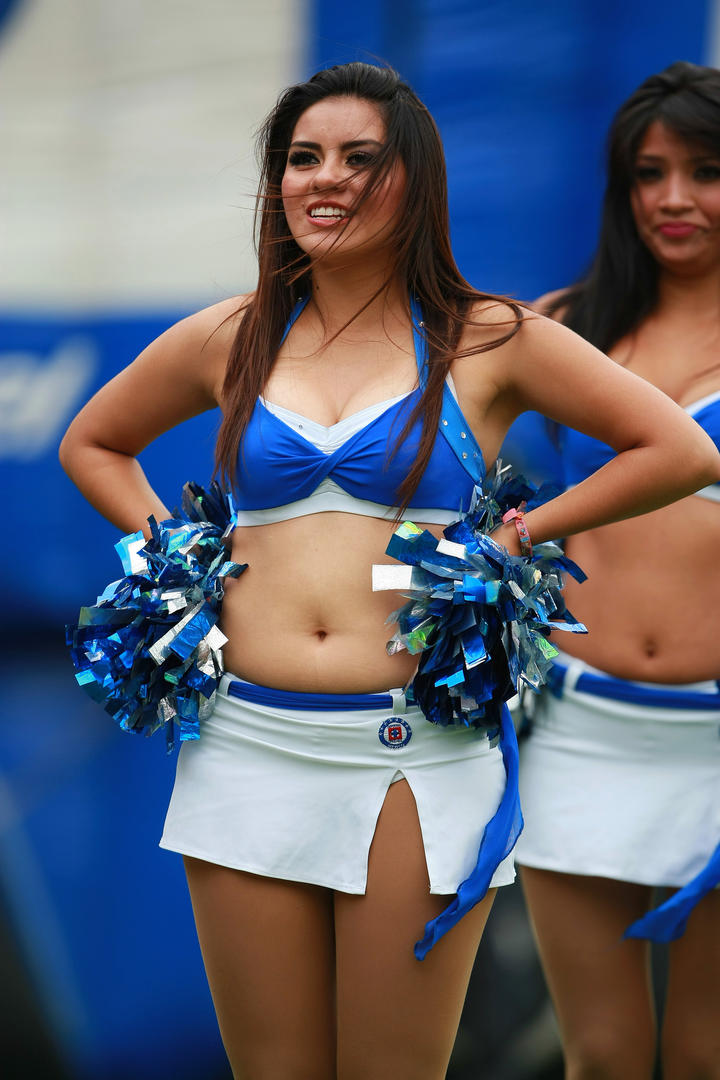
(662, 454)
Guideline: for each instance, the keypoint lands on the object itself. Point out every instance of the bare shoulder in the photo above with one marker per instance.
(480, 369)
(211, 329)
(546, 359)
(178, 375)
(490, 319)
(542, 350)
(199, 345)
(222, 318)
(513, 336)
(551, 304)
(540, 332)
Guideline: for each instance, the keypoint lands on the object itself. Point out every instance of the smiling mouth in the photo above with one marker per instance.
(328, 213)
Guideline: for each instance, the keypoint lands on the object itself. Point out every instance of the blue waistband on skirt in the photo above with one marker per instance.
(606, 686)
(294, 699)
(667, 922)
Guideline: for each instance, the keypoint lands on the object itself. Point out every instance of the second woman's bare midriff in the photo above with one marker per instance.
(303, 616)
(652, 595)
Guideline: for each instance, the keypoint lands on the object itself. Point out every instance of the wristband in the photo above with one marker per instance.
(518, 517)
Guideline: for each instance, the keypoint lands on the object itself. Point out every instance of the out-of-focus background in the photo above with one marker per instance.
(126, 191)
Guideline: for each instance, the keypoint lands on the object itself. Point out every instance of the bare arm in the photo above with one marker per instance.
(663, 454)
(177, 376)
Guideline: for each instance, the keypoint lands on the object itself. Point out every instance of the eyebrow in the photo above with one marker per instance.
(351, 145)
(695, 160)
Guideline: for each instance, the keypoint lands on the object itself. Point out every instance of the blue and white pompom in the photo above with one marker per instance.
(149, 650)
(478, 616)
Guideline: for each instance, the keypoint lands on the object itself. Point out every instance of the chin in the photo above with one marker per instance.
(675, 259)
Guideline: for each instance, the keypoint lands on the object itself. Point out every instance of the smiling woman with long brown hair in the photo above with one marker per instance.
(620, 778)
(323, 821)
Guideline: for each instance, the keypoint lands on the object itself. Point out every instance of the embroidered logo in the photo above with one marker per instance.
(394, 733)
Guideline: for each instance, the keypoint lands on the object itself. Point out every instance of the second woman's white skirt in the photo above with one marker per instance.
(295, 793)
(617, 790)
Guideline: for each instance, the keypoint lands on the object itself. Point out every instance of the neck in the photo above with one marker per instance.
(690, 297)
(340, 293)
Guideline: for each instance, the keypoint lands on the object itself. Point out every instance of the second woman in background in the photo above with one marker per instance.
(620, 782)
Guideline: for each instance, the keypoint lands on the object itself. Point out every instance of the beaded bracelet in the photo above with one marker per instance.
(518, 517)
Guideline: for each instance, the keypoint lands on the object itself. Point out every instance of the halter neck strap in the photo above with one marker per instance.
(419, 340)
(297, 308)
(452, 424)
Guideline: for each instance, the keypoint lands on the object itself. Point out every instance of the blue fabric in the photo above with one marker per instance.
(499, 838)
(660, 697)
(666, 922)
(583, 455)
(276, 465)
(293, 699)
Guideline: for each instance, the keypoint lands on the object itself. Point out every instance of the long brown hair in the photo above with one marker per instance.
(422, 256)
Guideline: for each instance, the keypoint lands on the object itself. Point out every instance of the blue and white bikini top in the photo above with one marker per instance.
(582, 455)
(289, 466)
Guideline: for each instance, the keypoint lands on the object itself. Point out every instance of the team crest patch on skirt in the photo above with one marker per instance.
(394, 733)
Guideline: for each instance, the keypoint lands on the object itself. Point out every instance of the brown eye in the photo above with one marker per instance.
(360, 159)
(708, 173)
(301, 157)
(646, 174)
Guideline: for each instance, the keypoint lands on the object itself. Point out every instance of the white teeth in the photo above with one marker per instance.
(328, 211)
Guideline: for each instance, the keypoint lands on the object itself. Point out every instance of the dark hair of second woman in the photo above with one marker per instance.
(621, 287)
(422, 256)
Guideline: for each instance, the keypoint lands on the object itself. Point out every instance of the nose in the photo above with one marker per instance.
(330, 173)
(676, 195)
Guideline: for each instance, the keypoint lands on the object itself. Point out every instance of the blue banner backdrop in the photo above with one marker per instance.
(49, 367)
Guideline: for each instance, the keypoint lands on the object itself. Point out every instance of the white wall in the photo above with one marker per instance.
(128, 171)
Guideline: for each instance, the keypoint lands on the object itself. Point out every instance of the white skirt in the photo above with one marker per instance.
(623, 791)
(295, 794)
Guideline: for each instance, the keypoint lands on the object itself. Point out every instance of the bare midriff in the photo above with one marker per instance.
(303, 616)
(652, 596)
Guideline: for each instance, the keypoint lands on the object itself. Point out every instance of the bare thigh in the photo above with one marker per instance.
(600, 984)
(691, 1026)
(398, 1016)
(268, 951)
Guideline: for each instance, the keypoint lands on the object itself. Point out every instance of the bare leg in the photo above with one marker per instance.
(600, 985)
(691, 1027)
(397, 1016)
(269, 956)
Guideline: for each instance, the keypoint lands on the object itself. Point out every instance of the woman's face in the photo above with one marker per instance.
(675, 201)
(333, 144)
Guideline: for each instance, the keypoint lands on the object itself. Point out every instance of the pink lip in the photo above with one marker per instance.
(677, 228)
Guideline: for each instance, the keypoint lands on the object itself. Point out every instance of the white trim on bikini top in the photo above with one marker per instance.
(696, 406)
